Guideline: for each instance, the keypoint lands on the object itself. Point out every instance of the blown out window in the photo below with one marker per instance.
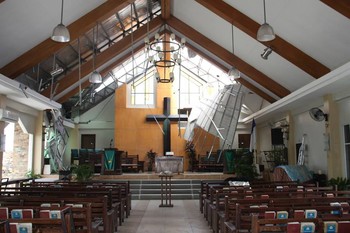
(142, 92)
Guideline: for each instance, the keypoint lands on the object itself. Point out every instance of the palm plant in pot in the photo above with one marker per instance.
(151, 155)
(191, 153)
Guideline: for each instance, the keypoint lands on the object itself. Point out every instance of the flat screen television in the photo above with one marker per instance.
(276, 136)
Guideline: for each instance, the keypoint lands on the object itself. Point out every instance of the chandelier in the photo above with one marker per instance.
(164, 53)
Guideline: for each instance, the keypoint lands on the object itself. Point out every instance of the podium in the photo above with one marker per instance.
(112, 162)
(165, 184)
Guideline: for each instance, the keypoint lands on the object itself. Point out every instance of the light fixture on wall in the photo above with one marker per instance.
(167, 55)
(265, 32)
(60, 32)
(267, 51)
(234, 73)
(95, 76)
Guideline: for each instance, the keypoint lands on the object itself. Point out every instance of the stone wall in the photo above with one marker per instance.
(15, 164)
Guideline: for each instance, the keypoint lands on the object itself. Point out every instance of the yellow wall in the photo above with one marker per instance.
(136, 136)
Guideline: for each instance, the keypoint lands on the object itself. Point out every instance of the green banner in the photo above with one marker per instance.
(109, 160)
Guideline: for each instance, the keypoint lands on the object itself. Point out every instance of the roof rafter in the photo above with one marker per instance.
(279, 45)
(48, 47)
(166, 11)
(228, 57)
(342, 6)
(105, 56)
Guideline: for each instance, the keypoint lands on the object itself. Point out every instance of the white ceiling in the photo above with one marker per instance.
(311, 26)
(24, 24)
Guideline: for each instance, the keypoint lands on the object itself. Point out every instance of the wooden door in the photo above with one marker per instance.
(243, 140)
(88, 141)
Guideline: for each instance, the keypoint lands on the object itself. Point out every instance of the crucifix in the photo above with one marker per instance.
(166, 118)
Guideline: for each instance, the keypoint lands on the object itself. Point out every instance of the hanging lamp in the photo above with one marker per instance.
(95, 76)
(234, 73)
(265, 32)
(60, 32)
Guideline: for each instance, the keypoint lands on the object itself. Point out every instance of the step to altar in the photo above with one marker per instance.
(153, 176)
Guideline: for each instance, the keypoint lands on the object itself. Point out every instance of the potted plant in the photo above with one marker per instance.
(32, 175)
(83, 172)
(191, 153)
(243, 165)
(342, 183)
(151, 155)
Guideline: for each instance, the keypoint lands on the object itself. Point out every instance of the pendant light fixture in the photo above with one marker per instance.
(265, 32)
(168, 55)
(233, 72)
(60, 32)
(95, 76)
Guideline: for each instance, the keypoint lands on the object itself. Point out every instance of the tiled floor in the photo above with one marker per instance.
(147, 217)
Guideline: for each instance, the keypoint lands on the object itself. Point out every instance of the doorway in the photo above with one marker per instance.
(88, 141)
(243, 140)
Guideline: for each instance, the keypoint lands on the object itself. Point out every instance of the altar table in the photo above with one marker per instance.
(174, 164)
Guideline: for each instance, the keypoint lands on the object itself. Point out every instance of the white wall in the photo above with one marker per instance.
(264, 137)
(99, 121)
(315, 154)
(103, 136)
(344, 119)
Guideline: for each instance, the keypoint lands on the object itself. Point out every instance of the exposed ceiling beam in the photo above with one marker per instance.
(48, 47)
(342, 6)
(166, 11)
(105, 56)
(228, 57)
(103, 73)
(279, 45)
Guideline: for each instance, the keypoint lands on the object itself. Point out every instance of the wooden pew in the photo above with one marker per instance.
(114, 194)
(212, 206)
(216, 206)
(45, 225)
(204, 191)
(276, 225)
(124, 186)
(99, 206)
(282, 225)
(68, 194)
(229, 219)
(244, 213)
(4, 226)
(131, 163)
(81, 215)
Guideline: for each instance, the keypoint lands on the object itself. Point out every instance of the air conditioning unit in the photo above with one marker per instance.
(8, 116)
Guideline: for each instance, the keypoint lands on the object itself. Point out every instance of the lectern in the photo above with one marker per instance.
(165, 184)
(112, 162)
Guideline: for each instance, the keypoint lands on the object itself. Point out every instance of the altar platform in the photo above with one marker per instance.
(155, 176)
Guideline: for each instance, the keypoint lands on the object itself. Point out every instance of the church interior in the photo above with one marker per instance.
(193, 104)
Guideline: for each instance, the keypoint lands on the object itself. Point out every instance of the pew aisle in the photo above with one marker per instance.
(147, 217)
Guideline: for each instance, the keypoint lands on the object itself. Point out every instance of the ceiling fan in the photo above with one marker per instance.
(318, 115)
